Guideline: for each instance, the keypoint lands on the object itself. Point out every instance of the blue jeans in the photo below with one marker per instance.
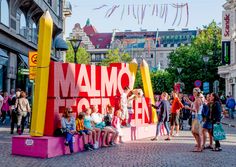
(159, 127)
(69, 139)
(231, 113)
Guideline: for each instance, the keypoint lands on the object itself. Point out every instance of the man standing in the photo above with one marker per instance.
(124, 105)
(230, 104)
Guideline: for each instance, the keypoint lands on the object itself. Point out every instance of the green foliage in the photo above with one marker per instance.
(161, 81)
(190, 58)
(83, 57)
(115, 56)
(138, 80)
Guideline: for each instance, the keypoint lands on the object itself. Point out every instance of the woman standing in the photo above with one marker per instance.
(23, 107)
(5, 107)
(68, 127)
(197, 119)
(215, 116)
(207, 125)
(175, 112)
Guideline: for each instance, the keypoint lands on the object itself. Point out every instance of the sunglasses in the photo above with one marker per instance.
(70, 111)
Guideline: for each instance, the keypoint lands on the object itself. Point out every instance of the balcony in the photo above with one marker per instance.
(67, 9)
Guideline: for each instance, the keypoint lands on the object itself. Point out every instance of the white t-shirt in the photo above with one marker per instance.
(123, 101)
(97, 117)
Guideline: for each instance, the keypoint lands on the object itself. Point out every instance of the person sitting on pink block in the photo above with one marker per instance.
(82, 131)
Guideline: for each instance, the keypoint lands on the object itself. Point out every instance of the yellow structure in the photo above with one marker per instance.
(147, 85)
(133, 66)
(42, 75)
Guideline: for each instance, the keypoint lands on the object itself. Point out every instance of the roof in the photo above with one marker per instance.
(89, 30)
(101, 40)
(137, 34)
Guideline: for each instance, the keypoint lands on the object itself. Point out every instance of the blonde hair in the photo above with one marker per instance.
(197, 90)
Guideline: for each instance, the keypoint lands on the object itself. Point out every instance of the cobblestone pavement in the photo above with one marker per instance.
(142, 153)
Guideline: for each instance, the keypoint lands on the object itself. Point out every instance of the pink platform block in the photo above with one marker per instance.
(48, 147)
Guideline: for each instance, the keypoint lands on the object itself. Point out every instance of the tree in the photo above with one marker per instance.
(115, 56)
(83, 57)
(161, 82)
(190, 58)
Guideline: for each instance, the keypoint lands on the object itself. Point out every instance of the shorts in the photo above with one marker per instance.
(80, 132)
(207, 125)
(174, 120)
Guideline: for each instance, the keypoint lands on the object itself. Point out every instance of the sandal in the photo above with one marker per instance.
(154, 139)
(208, 147)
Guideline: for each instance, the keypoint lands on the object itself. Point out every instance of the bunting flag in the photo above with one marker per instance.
(139, 11)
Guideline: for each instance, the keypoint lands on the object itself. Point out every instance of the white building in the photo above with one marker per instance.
(228, 70)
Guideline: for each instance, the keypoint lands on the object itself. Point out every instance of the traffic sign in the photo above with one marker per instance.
(32, 65)
(198, 83)
(206, 87)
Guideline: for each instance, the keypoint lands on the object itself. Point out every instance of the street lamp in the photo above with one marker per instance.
(179, 69)
(75, 43)
(205, 59)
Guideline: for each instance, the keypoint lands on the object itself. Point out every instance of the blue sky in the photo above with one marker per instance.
(201, 12)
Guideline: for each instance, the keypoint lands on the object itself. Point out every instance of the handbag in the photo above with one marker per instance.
(218, 132)
(196, 125)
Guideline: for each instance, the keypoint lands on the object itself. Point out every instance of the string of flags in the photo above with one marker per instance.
(138, 12)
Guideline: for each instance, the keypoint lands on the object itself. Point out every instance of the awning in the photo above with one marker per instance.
(60, 44)
(3, 58)
(25, 60)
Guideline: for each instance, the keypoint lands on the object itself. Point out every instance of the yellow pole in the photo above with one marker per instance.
(147, 85)
(133, 66)
(42, 74)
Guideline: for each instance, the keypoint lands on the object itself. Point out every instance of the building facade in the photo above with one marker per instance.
(19, 21)
(228, 70)
(153, 46)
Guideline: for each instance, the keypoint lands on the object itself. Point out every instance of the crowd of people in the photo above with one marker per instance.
(92, 123)
(203, 113)
(16, 106)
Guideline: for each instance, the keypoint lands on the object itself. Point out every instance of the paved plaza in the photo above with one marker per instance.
(176, 152)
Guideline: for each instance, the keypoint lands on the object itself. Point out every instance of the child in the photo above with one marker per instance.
(98, 120)
(88, 126)
(131, 97)
(68, 126)
(116, 122)
(108, 119)
(82, 131)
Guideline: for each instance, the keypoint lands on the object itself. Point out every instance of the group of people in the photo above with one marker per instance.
(17, 107)
(205, 113)
(92, 124)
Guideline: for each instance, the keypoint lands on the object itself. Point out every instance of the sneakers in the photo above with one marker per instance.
(66, 143)
(96, 145)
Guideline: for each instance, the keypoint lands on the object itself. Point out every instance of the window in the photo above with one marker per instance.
(100, 39)
(4, 12)
(21, 23)
(59, 9)
(34, 33)
(97, 46)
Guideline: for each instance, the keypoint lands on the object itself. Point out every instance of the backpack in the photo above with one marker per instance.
(205, 111)
(230, 103)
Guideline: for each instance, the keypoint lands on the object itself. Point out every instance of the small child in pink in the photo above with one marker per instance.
(116, 123)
